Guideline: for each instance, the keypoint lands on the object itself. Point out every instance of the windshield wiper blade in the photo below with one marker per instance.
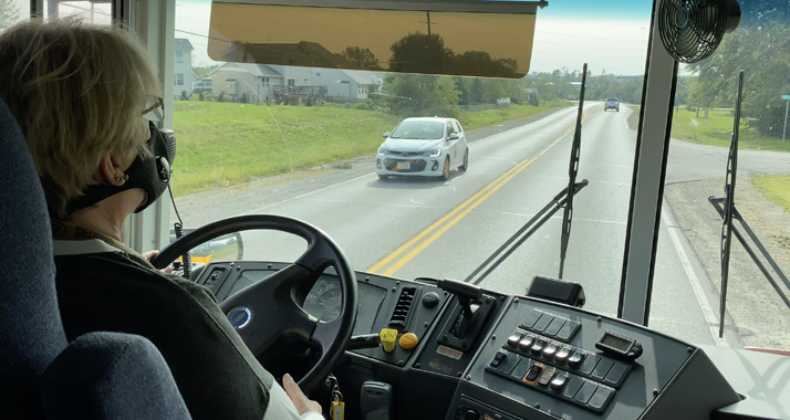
(573, 170)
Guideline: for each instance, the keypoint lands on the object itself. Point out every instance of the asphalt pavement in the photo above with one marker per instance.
(411, 228)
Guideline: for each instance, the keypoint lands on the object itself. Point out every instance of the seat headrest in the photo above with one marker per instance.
(31, 332)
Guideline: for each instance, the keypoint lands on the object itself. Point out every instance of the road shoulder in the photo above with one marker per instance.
(760, 316)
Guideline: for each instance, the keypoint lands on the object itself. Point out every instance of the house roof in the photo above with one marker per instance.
(361, 77)
(304, 53)
(262, 70)
(183, 44)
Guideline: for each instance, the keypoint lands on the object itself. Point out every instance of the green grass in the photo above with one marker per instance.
(775, 188)
(223, 144)
(716, 130)
(489, 117)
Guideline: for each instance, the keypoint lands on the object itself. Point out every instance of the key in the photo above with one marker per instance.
(338, 407)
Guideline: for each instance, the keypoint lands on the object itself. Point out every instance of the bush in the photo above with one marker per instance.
(184, 96)
(221, 97)
(308, 100)
(368, 105)
(287, 100)
(244, 99)
(533, 99)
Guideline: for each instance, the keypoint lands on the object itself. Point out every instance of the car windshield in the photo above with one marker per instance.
(305, 142)
(419, 130)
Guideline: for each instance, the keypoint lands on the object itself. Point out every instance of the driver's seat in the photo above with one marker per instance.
(99, 375)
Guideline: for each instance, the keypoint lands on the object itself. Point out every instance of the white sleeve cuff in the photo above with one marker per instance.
(312, 415)
(281, 407)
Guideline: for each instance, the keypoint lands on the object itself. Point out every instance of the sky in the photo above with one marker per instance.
(610, 35)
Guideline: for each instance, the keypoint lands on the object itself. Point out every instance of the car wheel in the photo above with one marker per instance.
(445, 170)
(465, 166)
(383, 176)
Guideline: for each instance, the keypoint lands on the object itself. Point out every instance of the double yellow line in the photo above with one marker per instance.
(442, 225)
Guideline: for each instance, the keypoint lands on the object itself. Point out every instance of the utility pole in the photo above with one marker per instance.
(429, 22)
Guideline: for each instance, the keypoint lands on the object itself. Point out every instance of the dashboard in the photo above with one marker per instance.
(501, 357)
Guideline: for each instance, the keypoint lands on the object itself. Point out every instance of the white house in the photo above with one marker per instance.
(347, 83)
(259, 81)
(182, 68)
(256, 81)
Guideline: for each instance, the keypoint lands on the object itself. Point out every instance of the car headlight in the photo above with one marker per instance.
(434, 153)
(382, 152)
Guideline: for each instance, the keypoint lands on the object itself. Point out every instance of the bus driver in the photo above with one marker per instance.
(79, 93)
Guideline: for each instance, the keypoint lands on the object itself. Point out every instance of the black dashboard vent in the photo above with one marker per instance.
(401, 313)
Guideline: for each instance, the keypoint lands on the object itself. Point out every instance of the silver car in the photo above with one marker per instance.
(423, 147)
(612, 103)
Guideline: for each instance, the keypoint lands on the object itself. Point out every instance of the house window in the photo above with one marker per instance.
(180, 79)
(265, 81)
(318, 74)
(291, 82)
(305, 80)
(179, 56)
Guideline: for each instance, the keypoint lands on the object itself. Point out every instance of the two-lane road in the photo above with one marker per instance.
(411, 228)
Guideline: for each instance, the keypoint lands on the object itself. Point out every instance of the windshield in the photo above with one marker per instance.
(304, 143)
(419, 130)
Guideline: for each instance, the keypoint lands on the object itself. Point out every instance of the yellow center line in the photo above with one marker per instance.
(486, 192)
(438, 223)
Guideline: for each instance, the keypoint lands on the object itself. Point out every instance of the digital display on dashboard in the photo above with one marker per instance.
(616, 342)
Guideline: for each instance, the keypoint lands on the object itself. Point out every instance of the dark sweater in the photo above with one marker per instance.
(217, 375)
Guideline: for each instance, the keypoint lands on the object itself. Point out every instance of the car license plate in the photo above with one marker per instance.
(404, 165)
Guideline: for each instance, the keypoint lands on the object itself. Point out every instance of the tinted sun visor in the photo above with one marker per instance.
(467, 38)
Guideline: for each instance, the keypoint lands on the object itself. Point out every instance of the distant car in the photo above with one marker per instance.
(423, 147)
(612, 103)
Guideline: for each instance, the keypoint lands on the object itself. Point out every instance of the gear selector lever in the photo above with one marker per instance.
(467, 319)
(466, 294)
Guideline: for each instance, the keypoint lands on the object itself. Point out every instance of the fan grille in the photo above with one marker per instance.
(691, 30)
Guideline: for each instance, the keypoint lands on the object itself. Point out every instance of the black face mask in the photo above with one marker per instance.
(151, 174)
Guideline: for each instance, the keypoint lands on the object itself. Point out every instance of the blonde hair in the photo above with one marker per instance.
(78, 92)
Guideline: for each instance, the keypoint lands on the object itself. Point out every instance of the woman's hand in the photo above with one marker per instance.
(301, 402)
(150, 256)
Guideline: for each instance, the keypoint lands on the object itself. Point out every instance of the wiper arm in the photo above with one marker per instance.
(728, 212)
(521, 236)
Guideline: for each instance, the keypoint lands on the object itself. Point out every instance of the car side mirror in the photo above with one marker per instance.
(453, 137)
(386, 135)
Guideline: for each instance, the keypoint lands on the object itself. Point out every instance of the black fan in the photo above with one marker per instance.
(691, 30)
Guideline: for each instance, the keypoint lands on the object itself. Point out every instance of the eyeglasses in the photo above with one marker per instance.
(158, 108)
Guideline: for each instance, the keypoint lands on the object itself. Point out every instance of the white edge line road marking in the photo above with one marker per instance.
(699, 293)
(300, 196)
(625, 119)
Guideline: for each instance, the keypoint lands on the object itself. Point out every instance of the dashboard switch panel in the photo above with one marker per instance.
(575, 380)
(551, 325)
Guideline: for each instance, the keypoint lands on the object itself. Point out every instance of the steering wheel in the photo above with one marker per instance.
(271, 304)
